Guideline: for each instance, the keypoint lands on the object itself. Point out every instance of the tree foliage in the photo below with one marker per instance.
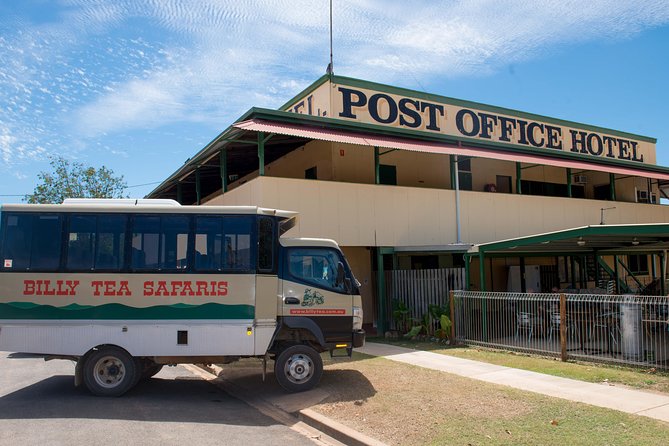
(74, 180)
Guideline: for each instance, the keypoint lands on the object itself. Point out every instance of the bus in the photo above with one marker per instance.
(123, 287)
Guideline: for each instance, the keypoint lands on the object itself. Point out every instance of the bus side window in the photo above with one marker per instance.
(81, 242)
(18, 237)
(45, 252)
(266, 244)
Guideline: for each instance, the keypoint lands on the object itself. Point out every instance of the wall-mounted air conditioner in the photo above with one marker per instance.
(580, 179)
(642, 196)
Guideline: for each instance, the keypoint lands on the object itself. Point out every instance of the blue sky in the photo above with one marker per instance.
(141, 85)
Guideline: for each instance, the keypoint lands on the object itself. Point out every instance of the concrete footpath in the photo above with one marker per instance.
(603, 395)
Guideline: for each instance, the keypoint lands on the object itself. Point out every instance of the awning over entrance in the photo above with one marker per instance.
(389, 142)
(582, 242)
(599, 239)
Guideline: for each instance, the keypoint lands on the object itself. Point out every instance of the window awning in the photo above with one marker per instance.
(389, 142)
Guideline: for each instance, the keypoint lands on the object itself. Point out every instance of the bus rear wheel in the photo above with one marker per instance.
(298, 368)
(110, 371)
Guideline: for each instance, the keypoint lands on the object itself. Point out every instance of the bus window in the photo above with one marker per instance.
(32, 242)
(237, 250)
(47, 237)
(160, 242)
(110, 248)
(266, 244)
(81, 242)
(222, 243)
(315, 266)
(18, 237)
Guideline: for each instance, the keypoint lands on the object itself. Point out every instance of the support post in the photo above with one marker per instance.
(198, 190)
(615, 272)
(612, 183)
(261, 154)
(223, 163)
(484, 302)
(457, 201)
(452, 305)
(572, 263)
(523, 284)
(381, 289)
(563, 327)
(569, 182)
(468, 260)
(519, 171)
(377, 164)
(653, 266)
(663, 269)
(180, 197)
(451, 159)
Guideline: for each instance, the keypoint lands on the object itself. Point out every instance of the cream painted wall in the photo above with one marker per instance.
(294, 164)
(375, 215)
(359, 259)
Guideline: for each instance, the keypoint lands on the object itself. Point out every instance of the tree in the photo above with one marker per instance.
(74, 180)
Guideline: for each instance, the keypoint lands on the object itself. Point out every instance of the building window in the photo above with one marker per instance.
(465, 181)
(602, 192)
(503, 183)
(387, 174)
(638, 263)
(311, 173)
(550, 189)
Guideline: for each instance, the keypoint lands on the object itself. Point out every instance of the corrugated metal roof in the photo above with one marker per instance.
(327, 134)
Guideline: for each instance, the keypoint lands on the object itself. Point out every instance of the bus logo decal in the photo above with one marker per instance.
(312, 298)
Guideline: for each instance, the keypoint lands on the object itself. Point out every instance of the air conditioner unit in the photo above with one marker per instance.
(580, 179)
(642, 196)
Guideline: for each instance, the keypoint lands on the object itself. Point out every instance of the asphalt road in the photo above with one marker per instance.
(40, 405)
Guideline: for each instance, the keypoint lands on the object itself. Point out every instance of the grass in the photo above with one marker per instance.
(402, 404)
(645, 379)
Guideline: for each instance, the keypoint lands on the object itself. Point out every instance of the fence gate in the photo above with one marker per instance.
(417, 289)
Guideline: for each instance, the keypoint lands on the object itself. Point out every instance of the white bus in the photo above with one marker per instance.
(124, 287)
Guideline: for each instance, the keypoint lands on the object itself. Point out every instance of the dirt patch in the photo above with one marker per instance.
(402, 404)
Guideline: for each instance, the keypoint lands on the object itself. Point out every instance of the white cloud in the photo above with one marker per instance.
(209, 60)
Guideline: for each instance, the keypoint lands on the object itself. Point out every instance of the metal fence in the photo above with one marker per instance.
(417, 290)
(624, 329)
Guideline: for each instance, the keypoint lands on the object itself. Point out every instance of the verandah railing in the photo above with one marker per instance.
(627, 329)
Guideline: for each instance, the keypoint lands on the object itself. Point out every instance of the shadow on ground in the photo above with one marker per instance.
(178, 399)
(337, 384)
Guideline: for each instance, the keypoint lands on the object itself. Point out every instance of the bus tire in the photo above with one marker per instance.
(110, 371)
(298, 368)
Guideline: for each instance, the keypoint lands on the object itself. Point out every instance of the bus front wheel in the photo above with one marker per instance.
(298, 368)
(109, 371)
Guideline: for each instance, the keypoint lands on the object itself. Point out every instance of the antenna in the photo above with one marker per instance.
(330, 68)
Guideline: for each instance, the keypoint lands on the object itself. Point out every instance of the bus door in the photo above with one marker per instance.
(314, 287)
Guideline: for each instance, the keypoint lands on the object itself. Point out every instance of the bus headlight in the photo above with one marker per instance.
(357, 318)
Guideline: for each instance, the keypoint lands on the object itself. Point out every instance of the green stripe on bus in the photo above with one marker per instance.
(26, 310)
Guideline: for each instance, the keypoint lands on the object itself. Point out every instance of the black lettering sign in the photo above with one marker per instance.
(414, 113)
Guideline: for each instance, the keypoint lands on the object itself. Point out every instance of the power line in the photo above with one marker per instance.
(127, 187)
(145, 184)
